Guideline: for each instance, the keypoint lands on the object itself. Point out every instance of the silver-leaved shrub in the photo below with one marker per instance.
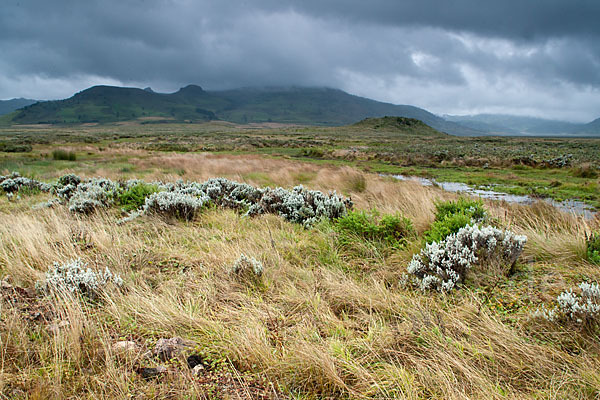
(444, 265)
(14, 182)
(174, 204)
(582, 309)
(247, 267)
(76, 277)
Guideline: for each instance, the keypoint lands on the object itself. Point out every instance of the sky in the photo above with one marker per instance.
(522, 57)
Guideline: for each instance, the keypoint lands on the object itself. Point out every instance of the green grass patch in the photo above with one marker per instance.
(392, 230)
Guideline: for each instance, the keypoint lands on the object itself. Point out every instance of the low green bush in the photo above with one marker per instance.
(14, 148)
(135, 196)
(451, 216)
(392, 229)
(64, 155)
(593, 247)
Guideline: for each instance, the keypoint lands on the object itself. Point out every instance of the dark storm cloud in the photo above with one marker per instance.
(448, 56)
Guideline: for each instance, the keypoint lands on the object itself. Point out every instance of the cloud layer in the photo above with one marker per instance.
(448, 57)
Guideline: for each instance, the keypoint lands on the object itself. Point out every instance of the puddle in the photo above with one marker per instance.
(569, 206)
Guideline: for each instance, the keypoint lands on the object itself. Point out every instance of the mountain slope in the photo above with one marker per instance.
(314, 106)
(8, 106)
(591, 128)
(512, 124)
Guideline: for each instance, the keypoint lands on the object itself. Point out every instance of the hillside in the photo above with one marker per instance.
(8, 106)
(409, 126)
(312, 106)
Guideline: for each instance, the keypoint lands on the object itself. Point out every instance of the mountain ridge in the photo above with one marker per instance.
(312, 106)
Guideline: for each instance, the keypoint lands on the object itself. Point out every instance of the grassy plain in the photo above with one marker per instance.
(328, 321)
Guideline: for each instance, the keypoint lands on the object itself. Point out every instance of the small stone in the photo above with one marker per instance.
(149, 373)
(5, 285)
(166, 349)
(198, 370)
(125, 347)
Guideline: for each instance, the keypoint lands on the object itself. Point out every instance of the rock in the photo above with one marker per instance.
(198, 370)
(149, 373)
(125, 347)
(166, 349)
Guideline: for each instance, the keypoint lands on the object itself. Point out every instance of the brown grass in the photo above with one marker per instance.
(322, 324)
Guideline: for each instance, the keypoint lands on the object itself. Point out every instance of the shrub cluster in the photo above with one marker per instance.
(444, 265)
(391, 229)
(583, 309)
(184, 199)
(16, 183)
(174, 204)
(451, 216)
(593, 247)
(91, 195)
(14, 148)
(74, 276)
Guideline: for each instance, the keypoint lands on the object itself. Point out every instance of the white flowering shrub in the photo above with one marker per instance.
(74, 276)
(247, 267)
(93, 194)
(583, 309)
(185, 199)
(174, 204)
(444, 265)
(14, 183)
(301, 205)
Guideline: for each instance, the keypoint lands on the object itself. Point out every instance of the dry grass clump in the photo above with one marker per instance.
(321, 323)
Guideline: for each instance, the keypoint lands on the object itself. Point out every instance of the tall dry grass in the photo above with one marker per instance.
(321, 324)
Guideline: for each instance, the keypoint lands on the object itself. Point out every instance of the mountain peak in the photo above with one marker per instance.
(191, 89)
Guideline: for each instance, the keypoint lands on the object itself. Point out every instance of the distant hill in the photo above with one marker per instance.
(8, 106)
(398, 124)
(519, 125)
(592, 128)
(313, 106)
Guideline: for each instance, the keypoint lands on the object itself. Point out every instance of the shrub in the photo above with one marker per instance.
(134, 197)
(451, 216)
(64, 155)
(593, 247)
(391, 229)
(300, 205)
(95, 193)
(583, 310)
(444, 265)
(16, 183)
(248, 268)
(74, 276)
(14, 148)
(174, 204)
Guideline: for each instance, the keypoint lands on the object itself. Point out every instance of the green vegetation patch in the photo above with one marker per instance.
(450, 216)
(393, 229)
(135, 196)
(593, 247)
